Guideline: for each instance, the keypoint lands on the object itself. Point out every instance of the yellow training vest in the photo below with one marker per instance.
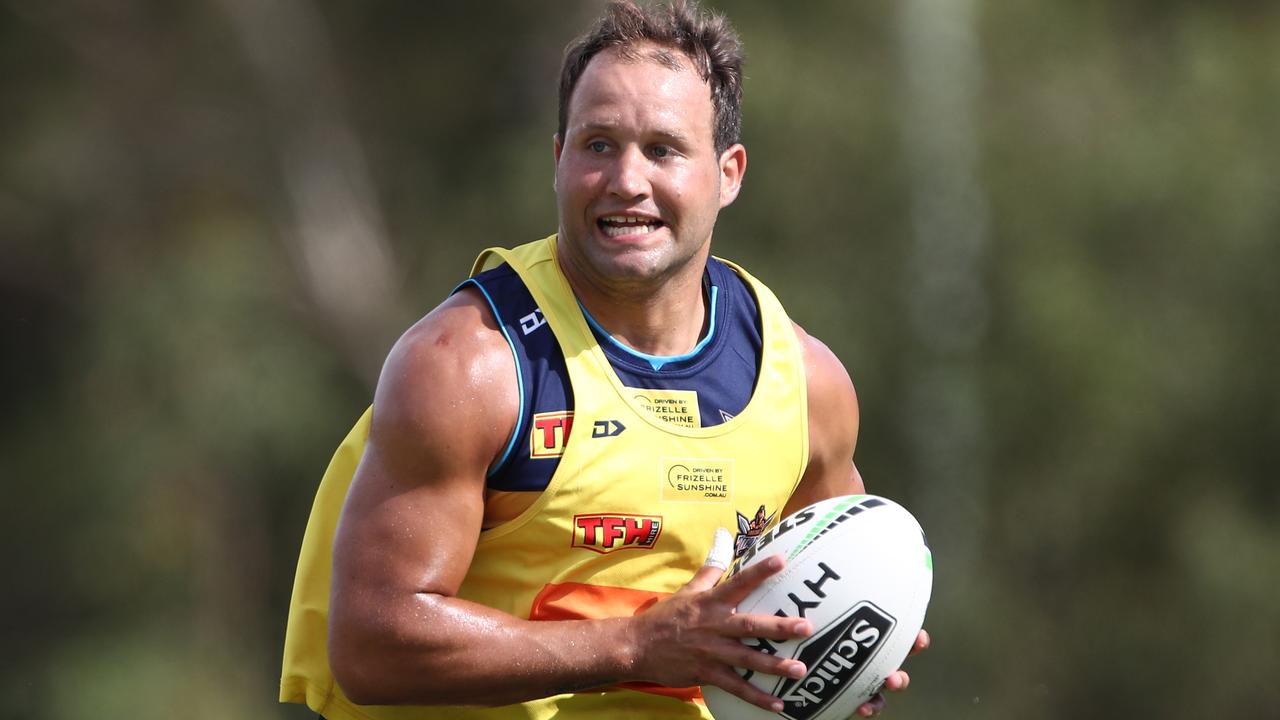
(626, 520)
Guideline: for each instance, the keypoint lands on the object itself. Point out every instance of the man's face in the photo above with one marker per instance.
(638, 180)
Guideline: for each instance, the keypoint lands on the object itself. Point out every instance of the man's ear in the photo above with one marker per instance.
(556, 147)
(733, 165)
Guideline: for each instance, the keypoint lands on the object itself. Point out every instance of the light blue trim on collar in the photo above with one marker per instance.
(657, 361)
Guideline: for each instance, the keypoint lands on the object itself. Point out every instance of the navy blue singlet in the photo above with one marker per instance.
(722, 369)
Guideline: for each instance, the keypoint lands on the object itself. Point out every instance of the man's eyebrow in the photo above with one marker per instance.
(598, 125)
(672, 135)
(607, 126)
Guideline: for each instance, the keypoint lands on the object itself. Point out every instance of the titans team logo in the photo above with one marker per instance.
(749, 531)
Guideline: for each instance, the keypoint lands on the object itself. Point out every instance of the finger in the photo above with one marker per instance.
(732, 682)
(737, 588)
(872, 706)
(737, 655)
(897, 681)
(714, 566)
(770, 627)
(704, 579)
(922, 642)
(721, 553)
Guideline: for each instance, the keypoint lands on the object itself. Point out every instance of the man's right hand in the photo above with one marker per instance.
(694, 636)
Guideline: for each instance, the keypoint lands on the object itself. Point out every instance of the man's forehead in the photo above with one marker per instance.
(646, 51)
(669, 59)
(609, 96)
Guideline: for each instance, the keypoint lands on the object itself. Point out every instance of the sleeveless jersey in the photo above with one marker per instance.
(626, 519)
(706, 386)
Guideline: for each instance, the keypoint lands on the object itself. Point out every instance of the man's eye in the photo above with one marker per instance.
(661, 151)
(598, 146)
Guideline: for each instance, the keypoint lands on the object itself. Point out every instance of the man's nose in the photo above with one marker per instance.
(629, 178)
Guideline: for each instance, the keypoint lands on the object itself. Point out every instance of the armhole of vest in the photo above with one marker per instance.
(750, 293)
(752, 310)
(763, 296)
(515, 357)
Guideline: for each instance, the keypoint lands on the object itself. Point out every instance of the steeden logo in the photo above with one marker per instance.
(608, 532)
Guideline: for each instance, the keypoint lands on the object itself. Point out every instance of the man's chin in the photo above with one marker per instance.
(626, 268)
(613, 265)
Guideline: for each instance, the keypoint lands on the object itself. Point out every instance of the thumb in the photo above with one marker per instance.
(714, 566)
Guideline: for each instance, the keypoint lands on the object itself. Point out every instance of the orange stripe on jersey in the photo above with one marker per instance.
(580, 601)
(688, 694)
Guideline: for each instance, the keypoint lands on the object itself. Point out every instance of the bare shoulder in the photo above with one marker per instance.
(449, 383)
(832, 398)
(833, 426)
(446, 402)
(444, 409)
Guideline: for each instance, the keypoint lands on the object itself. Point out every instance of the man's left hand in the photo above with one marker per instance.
(896, 682)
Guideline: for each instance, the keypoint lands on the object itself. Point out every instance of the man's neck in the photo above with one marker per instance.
(665, 320)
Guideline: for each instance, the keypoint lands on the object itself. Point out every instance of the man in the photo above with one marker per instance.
(551, 450)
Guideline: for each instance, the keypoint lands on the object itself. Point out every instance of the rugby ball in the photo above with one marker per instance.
(859, 569)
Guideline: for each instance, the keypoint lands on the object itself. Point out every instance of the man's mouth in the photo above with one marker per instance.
(623, 225)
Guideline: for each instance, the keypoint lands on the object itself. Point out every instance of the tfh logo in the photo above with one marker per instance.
(550, 434)
(605, 533)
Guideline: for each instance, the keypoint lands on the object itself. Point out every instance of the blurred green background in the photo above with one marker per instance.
(1043, 237)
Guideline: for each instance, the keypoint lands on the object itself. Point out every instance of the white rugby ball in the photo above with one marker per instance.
(859, 569)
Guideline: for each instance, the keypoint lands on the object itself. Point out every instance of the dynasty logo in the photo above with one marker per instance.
(835, 656)
(606, 533)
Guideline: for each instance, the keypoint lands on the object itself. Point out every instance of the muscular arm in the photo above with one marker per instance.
(833, 428)
(445, 407)
(446, 403)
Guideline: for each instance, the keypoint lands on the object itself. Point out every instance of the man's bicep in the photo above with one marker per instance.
(818, 485)
(441, 414)
(833, 428)
(408, 527)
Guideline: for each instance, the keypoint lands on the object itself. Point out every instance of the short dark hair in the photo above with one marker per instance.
(705, 38)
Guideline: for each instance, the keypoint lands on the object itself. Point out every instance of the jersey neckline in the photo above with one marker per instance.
(661, 365)
(596, 351)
